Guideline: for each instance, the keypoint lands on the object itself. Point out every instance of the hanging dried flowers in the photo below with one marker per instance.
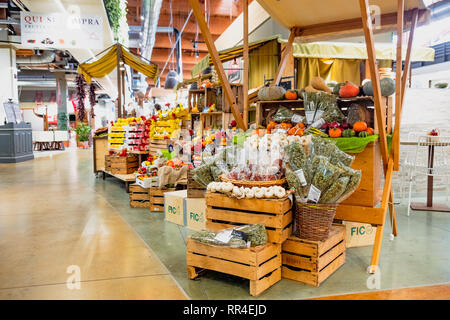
(92, 100)
(81, 95)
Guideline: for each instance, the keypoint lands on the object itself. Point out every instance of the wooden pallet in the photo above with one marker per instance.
(157, 198)
(224, 212)
(261, 265)
(194, 189)
(139, 197)
(124, 165)
(312, 262)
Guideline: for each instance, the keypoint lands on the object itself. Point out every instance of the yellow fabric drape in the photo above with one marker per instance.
(106, 64)
(346, 69)
(263, 61)
(99, 68)
(338, 70)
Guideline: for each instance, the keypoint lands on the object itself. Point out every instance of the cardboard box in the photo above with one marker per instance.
(173, 206)
(195, 213)
(359, 234)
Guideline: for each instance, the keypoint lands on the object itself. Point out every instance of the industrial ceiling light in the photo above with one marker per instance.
(171, 80)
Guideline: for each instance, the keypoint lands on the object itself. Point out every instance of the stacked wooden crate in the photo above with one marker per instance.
(312, 262)
(157, 198)
(124, 165)
(139, 197)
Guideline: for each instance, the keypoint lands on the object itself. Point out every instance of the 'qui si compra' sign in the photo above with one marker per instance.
(61, 30)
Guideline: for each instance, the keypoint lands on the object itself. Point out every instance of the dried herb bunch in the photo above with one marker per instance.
(92, 99)
(81, 95)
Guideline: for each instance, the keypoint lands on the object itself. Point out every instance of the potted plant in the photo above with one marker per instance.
(83, 132)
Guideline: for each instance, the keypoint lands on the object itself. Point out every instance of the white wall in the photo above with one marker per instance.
(8, 78)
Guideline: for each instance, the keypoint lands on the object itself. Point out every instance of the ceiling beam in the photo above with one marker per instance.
(219, 7)
(162, 41)
(217, 24)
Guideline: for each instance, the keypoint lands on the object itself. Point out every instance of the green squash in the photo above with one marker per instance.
(271, 93)
(338, 87)
(363, 134)
(387, 86)
(348, 133)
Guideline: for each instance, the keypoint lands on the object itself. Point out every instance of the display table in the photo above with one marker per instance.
(16, 144)
(429, 205)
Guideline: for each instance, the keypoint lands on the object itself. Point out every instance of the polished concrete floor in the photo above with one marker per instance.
(56, 213)
(53, 224)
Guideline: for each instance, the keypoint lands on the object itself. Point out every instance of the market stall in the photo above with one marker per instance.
(323, 21)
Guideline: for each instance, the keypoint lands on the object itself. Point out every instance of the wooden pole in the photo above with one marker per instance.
(217, 63)
(375, 78)
(284, 56)
(119, 86)
(387, 198)
(398, 87)
(122, 72)
(398, 112)
(246, 62)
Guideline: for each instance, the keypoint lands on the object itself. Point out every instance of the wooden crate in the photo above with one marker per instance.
(139, 197)
(312, 262)
(261, 265)
(238, 94)
(194, 189)
(158, 144)
(124, 165)
(368, 193)
(107, 163)
(225, 212)
(157, 198)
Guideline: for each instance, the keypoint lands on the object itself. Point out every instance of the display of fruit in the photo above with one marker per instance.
(348, 133)
(349, 90)
(363, 134)
(370, 131)
(360, 126)
(123, 153)
(434, 132)
(271, 93)
(291, 95)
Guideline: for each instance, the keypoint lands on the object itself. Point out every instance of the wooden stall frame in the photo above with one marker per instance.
(374, 216)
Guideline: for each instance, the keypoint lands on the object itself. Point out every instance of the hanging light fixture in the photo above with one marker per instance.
(171, 80)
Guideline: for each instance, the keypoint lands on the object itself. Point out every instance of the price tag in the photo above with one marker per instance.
(239, 234)
(301, 175)
(296, 118)
(224, 236)
(309, 116)
(317, 124)
(313, 194)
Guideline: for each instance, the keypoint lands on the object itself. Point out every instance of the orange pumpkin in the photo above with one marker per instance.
(300, 132)
(292, 131)
(370, 131)
(285, 125)
(360, 126)
(291, 95)
(300, 125)
(335, 133)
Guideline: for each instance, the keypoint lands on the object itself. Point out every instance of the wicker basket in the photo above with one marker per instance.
(313, 221)
(250, 184)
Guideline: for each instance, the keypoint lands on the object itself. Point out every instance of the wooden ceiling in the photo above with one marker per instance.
(173, 13)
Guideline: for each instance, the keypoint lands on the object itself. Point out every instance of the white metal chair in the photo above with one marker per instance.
(431, 159)
(407, 157)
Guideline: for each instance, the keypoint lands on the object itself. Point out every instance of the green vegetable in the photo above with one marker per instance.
(363, 134)
(348, 133)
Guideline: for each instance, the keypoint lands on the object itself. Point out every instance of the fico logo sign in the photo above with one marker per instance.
(195, 216)
(172, 209)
